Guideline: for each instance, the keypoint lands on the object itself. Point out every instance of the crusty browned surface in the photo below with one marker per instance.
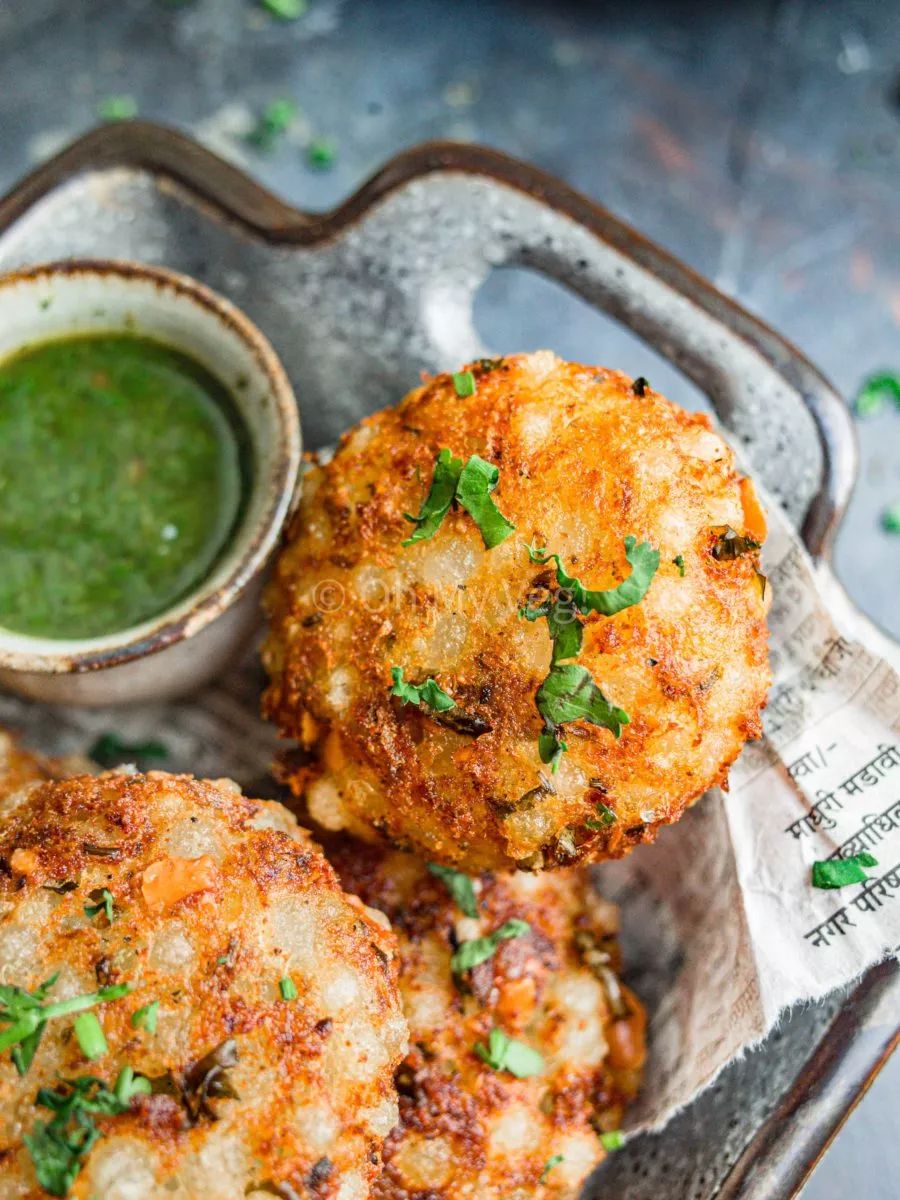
(467, 1131)
(20, 767)
(584, 462)
(315, 1074)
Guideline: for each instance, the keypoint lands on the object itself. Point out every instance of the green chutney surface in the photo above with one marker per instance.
(121, 482)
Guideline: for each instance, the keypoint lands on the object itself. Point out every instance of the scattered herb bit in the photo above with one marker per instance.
(643, 560)
(117, 108)
(605, 817)
(223, 958)
(504, 1053)
(890, 519)
(876, 392)
(89, 1033)
(59, 1147)
(459, 886)
(273, 123)
(440, 496)
(551, 1163)
(490, 364)
(473, 491)
(100, 851)
(288, 990)
(145, 1018)
(285, 10)
(26, 1014)
(321, 153)
(614, 1139)
(68, 885)
(839, 872)
(640, 385)
(570, 694)
(566, 631)
(104, 899)
(427, 693)
(109, 750)
(678, 560)
(464, 384)
(478, 950)
(471, 485)
(731, 545)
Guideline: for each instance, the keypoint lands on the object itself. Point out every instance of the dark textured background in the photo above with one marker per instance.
(760, 142)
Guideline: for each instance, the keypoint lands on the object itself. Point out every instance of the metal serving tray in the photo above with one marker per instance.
(357, 302)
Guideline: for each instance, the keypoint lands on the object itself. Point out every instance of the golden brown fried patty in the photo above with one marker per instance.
(468, 1131)
(276, 1025)
(586, 459)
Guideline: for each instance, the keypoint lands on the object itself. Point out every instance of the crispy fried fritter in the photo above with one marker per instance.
(276, 1024)
(586, 459)
(468, 1131)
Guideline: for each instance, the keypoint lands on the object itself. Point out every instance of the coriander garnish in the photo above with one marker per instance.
(890, 519)
(104, 904)
(321, 153)
(287, 988)
(285, 10)
(550, 1164)
(117, 108)
(730, 545)
(89, 1033)
(109, 750)
(427, 693)
(678, 560)
(464, 384)
(145, 1018)
(478, 950)
(613, 1139)
(470, 485)
(605, 817)
(274, 121)
(643, 560)
(26, 1014)
(877, 391)
(570, 694)
(59, 1147)
(459, 886)
(839, 872)
(504, 1053)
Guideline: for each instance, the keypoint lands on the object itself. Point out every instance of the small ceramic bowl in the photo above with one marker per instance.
(190, 643)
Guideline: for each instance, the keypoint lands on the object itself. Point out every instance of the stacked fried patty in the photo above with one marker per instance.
(525, 1046)
(526, 598)
(191, 1006)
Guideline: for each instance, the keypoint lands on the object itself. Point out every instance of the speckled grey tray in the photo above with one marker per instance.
(358, 302)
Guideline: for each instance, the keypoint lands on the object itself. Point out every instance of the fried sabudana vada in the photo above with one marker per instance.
(543, 999)
(522, 511)
(191, 1006)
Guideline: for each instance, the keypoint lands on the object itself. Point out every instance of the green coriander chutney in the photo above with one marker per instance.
(122, 476)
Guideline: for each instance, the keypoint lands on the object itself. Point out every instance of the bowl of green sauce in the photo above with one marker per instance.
(149, 450)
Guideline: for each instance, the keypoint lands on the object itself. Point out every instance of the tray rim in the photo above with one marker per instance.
(844, 1063)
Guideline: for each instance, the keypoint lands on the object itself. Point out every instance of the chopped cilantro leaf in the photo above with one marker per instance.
(839, 872)
(321, 153)
(273, 123)
(605, 817)
(109, 750)
(117, 108)
(570, 694)
(26, 1015)
(730, 545)
(877, 391)
(104, 904)
(478, 950)
(678, 560)
(427, 693)
(440, 496)
(550, 1164)
(477, 480)
(890, 519)
(145, 1018)
(464, 383)
(285, 10)
(459, 886)
(287, 988)
(504, 1053)
(643, 560)
(89, 1033)
(614, 1139)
